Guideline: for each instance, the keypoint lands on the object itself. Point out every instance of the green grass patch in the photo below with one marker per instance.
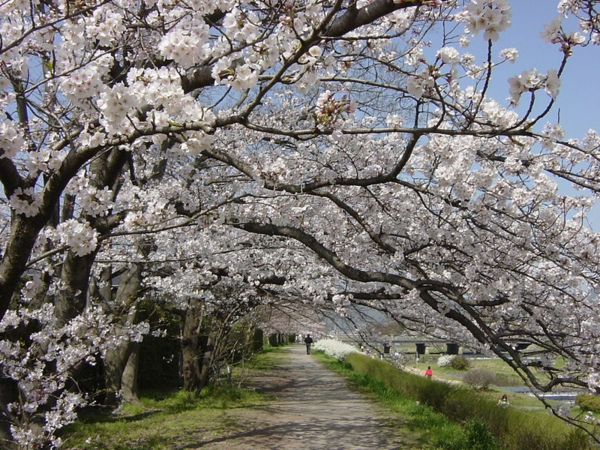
(504, 373)
(428, 428)
(268, 358)
(166, 420)
(159, 422)
(485, 424)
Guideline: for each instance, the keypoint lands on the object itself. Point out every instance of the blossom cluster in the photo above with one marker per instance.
(216, 147)
(11, 139)
(45, 161)
(94, 201)
(26, 201)
(85, 82)
(445, 360)
(490, 16)
(334, 348)
(329, 109)
(531, 80)
(43, 368)
(554, 33)
(417, 86)
(79, 236)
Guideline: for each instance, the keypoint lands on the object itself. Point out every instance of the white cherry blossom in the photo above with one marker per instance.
(243, 156)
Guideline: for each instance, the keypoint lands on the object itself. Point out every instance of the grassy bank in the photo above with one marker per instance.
(172, 420)
(458, 418)
(429, 414)
(159, 423)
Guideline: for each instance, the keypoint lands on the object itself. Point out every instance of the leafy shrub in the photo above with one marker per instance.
(445, 360)
(511, 428)
(538, 438)
(475, 435)
(575, 439)
(480, 378)
(508, 379)
(588, 402)
(479, 436)
(460, 363)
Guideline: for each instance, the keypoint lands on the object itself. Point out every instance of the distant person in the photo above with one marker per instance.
(503, 401)
(429, 372)
(308, 341)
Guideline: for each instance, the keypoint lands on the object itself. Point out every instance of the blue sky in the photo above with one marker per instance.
(579, 96)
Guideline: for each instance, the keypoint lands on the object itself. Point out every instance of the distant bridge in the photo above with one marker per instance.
(421, 344)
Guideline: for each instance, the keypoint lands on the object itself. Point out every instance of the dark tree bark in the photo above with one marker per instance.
(116, 359)
(129, 380)
(191, 342)
(71, 301)
(8, 394)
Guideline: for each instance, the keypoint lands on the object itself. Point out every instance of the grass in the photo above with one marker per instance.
(159, 422)
(429, 428)
(430, 415)
(478, 414)
(163, 420)
(504, 373)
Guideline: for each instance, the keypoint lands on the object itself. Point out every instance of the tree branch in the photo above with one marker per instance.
(352, 19)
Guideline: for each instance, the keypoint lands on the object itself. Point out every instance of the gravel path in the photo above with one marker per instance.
(314, 410)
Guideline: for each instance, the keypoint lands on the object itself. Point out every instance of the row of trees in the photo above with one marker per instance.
(215, 158)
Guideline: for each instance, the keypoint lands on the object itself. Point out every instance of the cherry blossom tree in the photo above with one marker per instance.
(346, 152)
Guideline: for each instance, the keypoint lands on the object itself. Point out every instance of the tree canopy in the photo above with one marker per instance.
(308, 155)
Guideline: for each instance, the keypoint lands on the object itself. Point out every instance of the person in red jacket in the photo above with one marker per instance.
(429, 372)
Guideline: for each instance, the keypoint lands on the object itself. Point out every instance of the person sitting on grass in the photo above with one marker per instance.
(503, 401)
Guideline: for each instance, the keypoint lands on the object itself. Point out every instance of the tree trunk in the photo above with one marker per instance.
(129, 385)
(8, 394)
(114, 366)
(190, 348)
(23, 234)
(75, 274)
(206, 361)
(116, 359)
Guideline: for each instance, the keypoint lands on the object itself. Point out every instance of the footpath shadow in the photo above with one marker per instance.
(307, 436)
(314, 410)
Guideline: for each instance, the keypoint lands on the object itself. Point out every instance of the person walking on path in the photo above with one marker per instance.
(314, 410)
(308, 341)
(429, 372)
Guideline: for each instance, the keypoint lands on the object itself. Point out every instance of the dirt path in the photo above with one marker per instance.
(315, 410)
